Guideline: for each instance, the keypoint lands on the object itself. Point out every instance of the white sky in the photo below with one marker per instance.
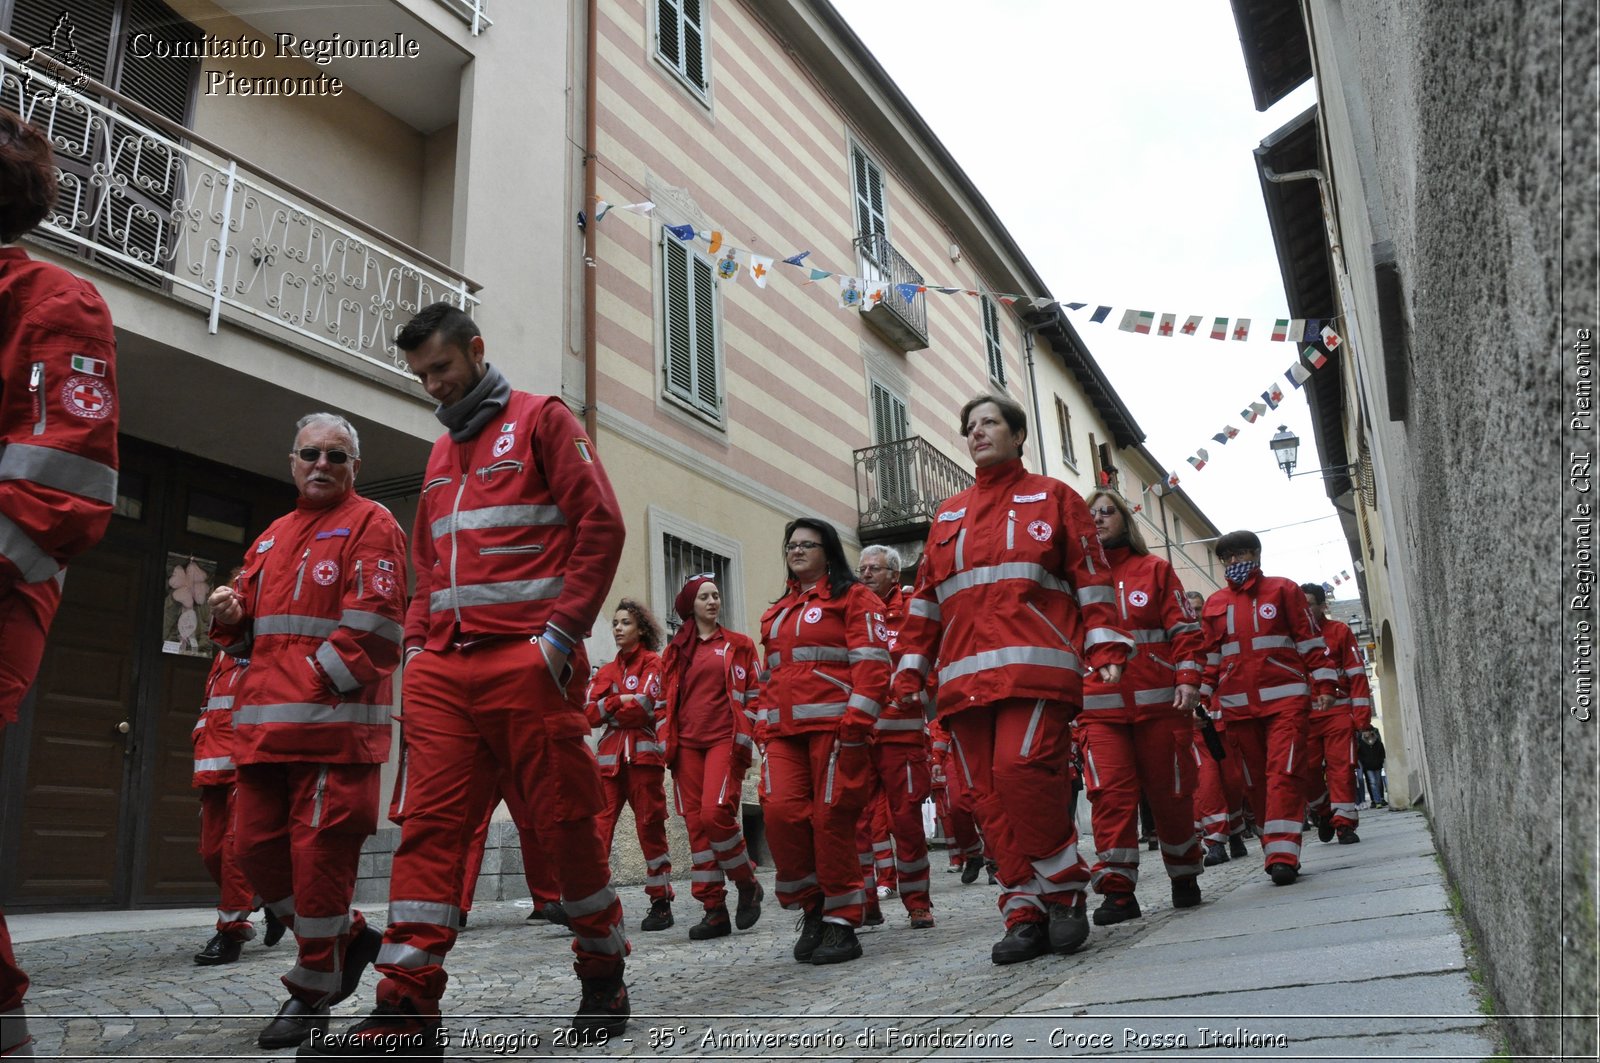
(1114, 142)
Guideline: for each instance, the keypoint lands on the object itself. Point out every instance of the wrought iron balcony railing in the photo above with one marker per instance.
(902, 321)
(900, 486)
(158, 204)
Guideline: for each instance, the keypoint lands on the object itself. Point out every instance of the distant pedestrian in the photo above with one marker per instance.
(1328, 767)
(1370, 753)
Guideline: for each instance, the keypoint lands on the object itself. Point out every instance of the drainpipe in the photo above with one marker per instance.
(591, 123)
(1033, 389)
(1335, 247)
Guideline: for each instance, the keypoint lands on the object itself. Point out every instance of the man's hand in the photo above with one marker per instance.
(1185, 696)
(226, 608)
(554, 658)
(1110, 674)
(1325, 702)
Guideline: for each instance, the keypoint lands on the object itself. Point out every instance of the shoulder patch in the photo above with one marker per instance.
(1040, 497)
(585, 449)
(954, 514)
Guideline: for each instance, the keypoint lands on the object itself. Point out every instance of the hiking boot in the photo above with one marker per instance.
(292, 1025)
(360, 954)
(1283, 874)
(994, 872)
(970, 869)
(604, 1007)
(1023, 942)
(921, 918)
(1069, 927)
(1186, 892)
(275, 930)
(1236, 845)
(872, 915)
(714, 924)
(838, 945)
(659, 917)
(1216, 853)
(390, 1032)
(810, 926)
(1117, 908)
(748, 912)
(220, 949)
(554, 913)
(1325, 827)
(1348, 836)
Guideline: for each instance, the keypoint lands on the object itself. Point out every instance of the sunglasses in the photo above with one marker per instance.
(309, 455)
(1102, 511)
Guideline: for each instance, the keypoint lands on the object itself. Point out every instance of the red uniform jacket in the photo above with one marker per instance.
(1264, 654)
(742, 667)
(628, 734)
(58, 418)
(323, 592)
(896, 724)
(1355, 693)
(1015, 596)
(1166, 632)
(518, 530)
(213, 732)
(826, 661)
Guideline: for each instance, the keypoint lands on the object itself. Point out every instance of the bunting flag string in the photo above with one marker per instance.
(1297, 374)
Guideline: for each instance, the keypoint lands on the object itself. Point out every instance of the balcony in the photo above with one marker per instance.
(900, 487)
(159, 205)
(901, 321)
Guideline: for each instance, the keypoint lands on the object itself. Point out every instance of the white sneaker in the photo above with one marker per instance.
(885, 891)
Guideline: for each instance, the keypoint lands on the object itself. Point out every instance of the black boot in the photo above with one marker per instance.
(292, 1025)
(970, 869)
(1325, 827)
(838, 945)
(810, 926)
(553, 912)
(660, 916)
(275, 929)
(714, 924)
(360, 954)
(390, 1032)
(1069, 927)
(1186, 892)
(220, 949)
(748, 912)
(1348, 836)
(1283, 874)
(1236, 845)
(604, 1008)
(1216, 853)
(1023, 942)
(1117, 908)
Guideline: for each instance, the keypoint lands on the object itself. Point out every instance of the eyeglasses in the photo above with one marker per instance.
(867, 570)
(1102, 511)
(309, 455)
(790, 548)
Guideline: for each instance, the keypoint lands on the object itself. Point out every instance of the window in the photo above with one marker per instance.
(888, 415)
(681, 40)
(894, 465)
(685, 559)
(872, 218)
(690, 313)
(1064, 416)
(1108, 465)
(991, 341)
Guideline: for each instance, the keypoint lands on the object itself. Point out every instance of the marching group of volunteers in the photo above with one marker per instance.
(1043, 647)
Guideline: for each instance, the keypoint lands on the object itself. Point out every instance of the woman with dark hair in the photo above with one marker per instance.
(709, 675)
(1137, 733)
(622, 702)
(826, 651)
(1015, 603)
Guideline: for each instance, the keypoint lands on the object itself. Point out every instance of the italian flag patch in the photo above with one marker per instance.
(585, 449)
(82, 363)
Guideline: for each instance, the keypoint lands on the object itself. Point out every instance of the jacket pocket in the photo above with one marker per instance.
(841, 684)
(1066, 642)
(1296, 672)
(518, 548)
(36, 394)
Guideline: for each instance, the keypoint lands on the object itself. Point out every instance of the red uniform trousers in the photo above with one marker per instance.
(26, 610)
(966, 841)
(874, 849)
(642, 787)
(902, 781)
(1219, 794)
(473, 716)
(238, 898)
(709, 794)
(1270, 751)
(1328, 770)
(1015, 754)
(1122, 760)
(298, 828)
(812, 798)
(536, 870)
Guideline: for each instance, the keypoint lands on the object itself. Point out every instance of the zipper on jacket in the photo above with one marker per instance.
(961, 550)
(361, 588)
(1122, 602)
(1011, 530)
(455, 552)
(525, 548)
(499, 466)
(35, 380)
(316, 803)
(437, 481)
(833, 760)
(1088, 555)
(300, 574)
(1255, 615)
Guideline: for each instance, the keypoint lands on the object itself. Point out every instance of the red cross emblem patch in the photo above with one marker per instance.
(86, 397)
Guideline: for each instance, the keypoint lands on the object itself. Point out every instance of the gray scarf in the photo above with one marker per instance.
(466, 418)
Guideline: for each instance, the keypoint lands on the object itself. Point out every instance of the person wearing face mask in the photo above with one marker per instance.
(622, 701)
(1137, 734)
(709, 675)
(825, 646)
(1219, 787)
(1265, 661)
(1329, 771)
(1015, 602)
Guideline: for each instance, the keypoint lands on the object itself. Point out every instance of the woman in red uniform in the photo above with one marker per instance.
(709, 674)
(622, 702)
(1137, 734)
(1015, 601)
(826, 653)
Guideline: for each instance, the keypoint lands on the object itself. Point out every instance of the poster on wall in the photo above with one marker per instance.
(186, 617)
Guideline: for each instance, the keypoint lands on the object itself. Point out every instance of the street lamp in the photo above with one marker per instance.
(1286, 449)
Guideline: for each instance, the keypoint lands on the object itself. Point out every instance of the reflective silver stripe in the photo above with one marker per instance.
(408, 956)
(1272, 642)
(1097, 635)
(738, 738)
(1007, 656)
(888, 724)
(610, 945)
(312, 712)
(865, 704)
(774, 659)
(733, 863)
(741, 696)
(60, 469)
(435, 913)
(1188, 666)
(1292, 848)
(1149, 634)
(1365, 703)
(703, 856)
(651, 747)
(520, 590)
(1281, 826)
(1308, 645)
(987, 574)
(1355, 671)
(1102, 701)
(912, 662)
(1229, 649)
(707, 876)
(843, 900)
(1179, 850)
(343, 681)
(598, 901)
(1021, 900)
(1233, 701)
(1065, 860)
(1095, 596)
(214, 764)
(1213, 659)
(821, 710)
(1230, 620)
(903, 868)
(657, 880)
(928, 610)
(606, 760)
(283, 909)
(1033, 727)
(819, 653)
(233, 917)
(794, 885)
(655, 862)
(326, 926)
(316, 981)
(1326, 675)
(1125, 871)
(377, 623)
(725, 845)
(1153, 696)
(1116, 856)
(497, 517)
(221, 701)
(1181, 629)
(319, 627)
(1288, 690)
(35, 565)
(871, 654)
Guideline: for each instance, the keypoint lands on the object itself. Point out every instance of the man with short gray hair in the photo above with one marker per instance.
(318, 611)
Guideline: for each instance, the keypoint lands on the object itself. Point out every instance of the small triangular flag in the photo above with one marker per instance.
(682, 232)
(1219, 328)
(1191, 325)
(796, 259)
(1241, 329)
(760, 266)
(1330, 339)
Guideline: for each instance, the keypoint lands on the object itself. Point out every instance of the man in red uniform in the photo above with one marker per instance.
(517, 538)
(58, 451)
(901, 775)
(1331, 766)
(317, 610)
(1264, 659)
